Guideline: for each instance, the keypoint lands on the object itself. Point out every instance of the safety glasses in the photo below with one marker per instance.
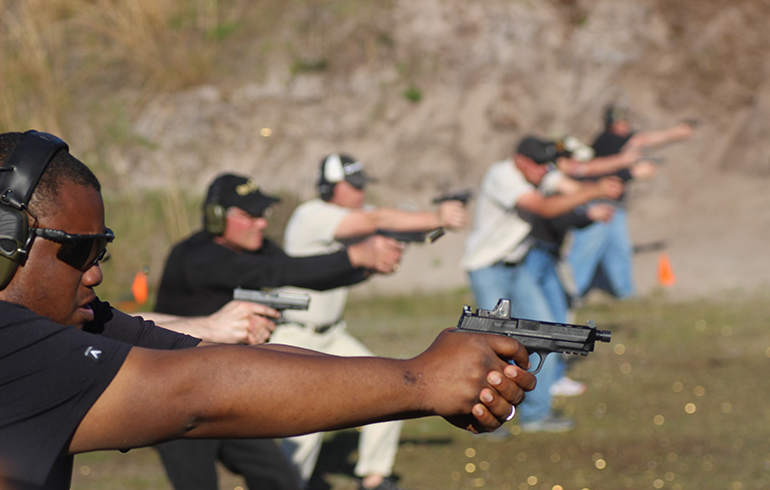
(78, 251)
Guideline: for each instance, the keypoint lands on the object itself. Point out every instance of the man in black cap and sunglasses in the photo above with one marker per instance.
(199, 278)
(77, 375)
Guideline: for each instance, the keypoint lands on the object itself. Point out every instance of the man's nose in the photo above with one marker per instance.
(93, 276)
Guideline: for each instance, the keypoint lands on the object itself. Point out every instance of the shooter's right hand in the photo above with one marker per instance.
(377, 253)
(610, 187)
(466, 378)
(453, 215)
(242, 322)
(600, 212)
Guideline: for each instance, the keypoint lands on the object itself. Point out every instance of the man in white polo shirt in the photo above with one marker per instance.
(325, 224)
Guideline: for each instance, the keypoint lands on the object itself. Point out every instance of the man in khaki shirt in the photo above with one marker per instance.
(322, 225)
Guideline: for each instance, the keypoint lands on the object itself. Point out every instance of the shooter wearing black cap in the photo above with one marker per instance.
(199, 278)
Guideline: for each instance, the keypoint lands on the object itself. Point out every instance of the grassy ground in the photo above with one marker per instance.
(678, 400)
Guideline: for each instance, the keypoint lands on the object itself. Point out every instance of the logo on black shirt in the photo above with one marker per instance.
(93, 353)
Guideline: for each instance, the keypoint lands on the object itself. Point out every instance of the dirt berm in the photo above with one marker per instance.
(428, 94)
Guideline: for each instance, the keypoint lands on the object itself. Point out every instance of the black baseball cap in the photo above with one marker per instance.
(338, 167)
(539, 151)
(242, 192)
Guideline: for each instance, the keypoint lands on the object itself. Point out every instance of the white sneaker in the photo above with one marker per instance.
(552, 423)
(567, 387)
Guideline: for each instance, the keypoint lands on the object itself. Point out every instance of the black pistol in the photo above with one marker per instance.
(539, 337)
(412, 236)
(463, 196)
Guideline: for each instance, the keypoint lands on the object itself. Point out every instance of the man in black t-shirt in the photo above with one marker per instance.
(200, 275)
(51, 374)
(78, 376)
(618, 135)
(65, 361)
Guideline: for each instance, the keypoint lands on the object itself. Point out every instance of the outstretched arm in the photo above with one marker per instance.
(238, 322)
(651, 139)
(239, 391)
(599, 165)
(361, 222)
(572, 194)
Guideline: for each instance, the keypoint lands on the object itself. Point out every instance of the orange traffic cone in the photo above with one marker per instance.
(139, 288)
(666, 275)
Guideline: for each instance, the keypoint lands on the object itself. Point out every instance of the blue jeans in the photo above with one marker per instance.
(542, 266)
(527, 301)
(602, 255)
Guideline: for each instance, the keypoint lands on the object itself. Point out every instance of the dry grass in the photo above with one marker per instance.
(56, 52)
(65, 56)
(34, 90)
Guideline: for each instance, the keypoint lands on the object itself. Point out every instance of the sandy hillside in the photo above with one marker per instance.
(428, 94)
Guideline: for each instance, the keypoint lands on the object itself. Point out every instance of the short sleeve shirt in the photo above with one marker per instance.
(51, 375)
(311, 230)
(498, 229)
(609, 143)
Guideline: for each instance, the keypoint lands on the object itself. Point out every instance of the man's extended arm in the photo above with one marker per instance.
(238, 322)
(650, 139)
(239, 391)
(599, 166)
(450, 214)
(581, 193)
(271, 267)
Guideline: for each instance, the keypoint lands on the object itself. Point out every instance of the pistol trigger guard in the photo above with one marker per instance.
(541, 356)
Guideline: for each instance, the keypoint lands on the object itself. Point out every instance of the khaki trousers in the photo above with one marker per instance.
(377, 444)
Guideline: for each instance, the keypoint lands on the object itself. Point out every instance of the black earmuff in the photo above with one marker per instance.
(214, 218)
(18, 177)
(325, 190)
(614, 113)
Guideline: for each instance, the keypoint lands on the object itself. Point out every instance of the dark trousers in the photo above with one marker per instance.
(190, 464)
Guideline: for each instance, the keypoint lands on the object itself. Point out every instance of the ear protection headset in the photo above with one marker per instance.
(214, 213)
(330, 173)
(613, 113)
(18, 178)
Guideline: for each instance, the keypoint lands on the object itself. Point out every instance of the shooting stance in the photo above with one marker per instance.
(511, 192)
(77, 375)
(324, 225)
(601, 254)
(200, 277)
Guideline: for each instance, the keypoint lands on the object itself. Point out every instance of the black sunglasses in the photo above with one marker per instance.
(78, 251)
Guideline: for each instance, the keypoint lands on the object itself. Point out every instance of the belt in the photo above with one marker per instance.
(321, 328)
(552, 248)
